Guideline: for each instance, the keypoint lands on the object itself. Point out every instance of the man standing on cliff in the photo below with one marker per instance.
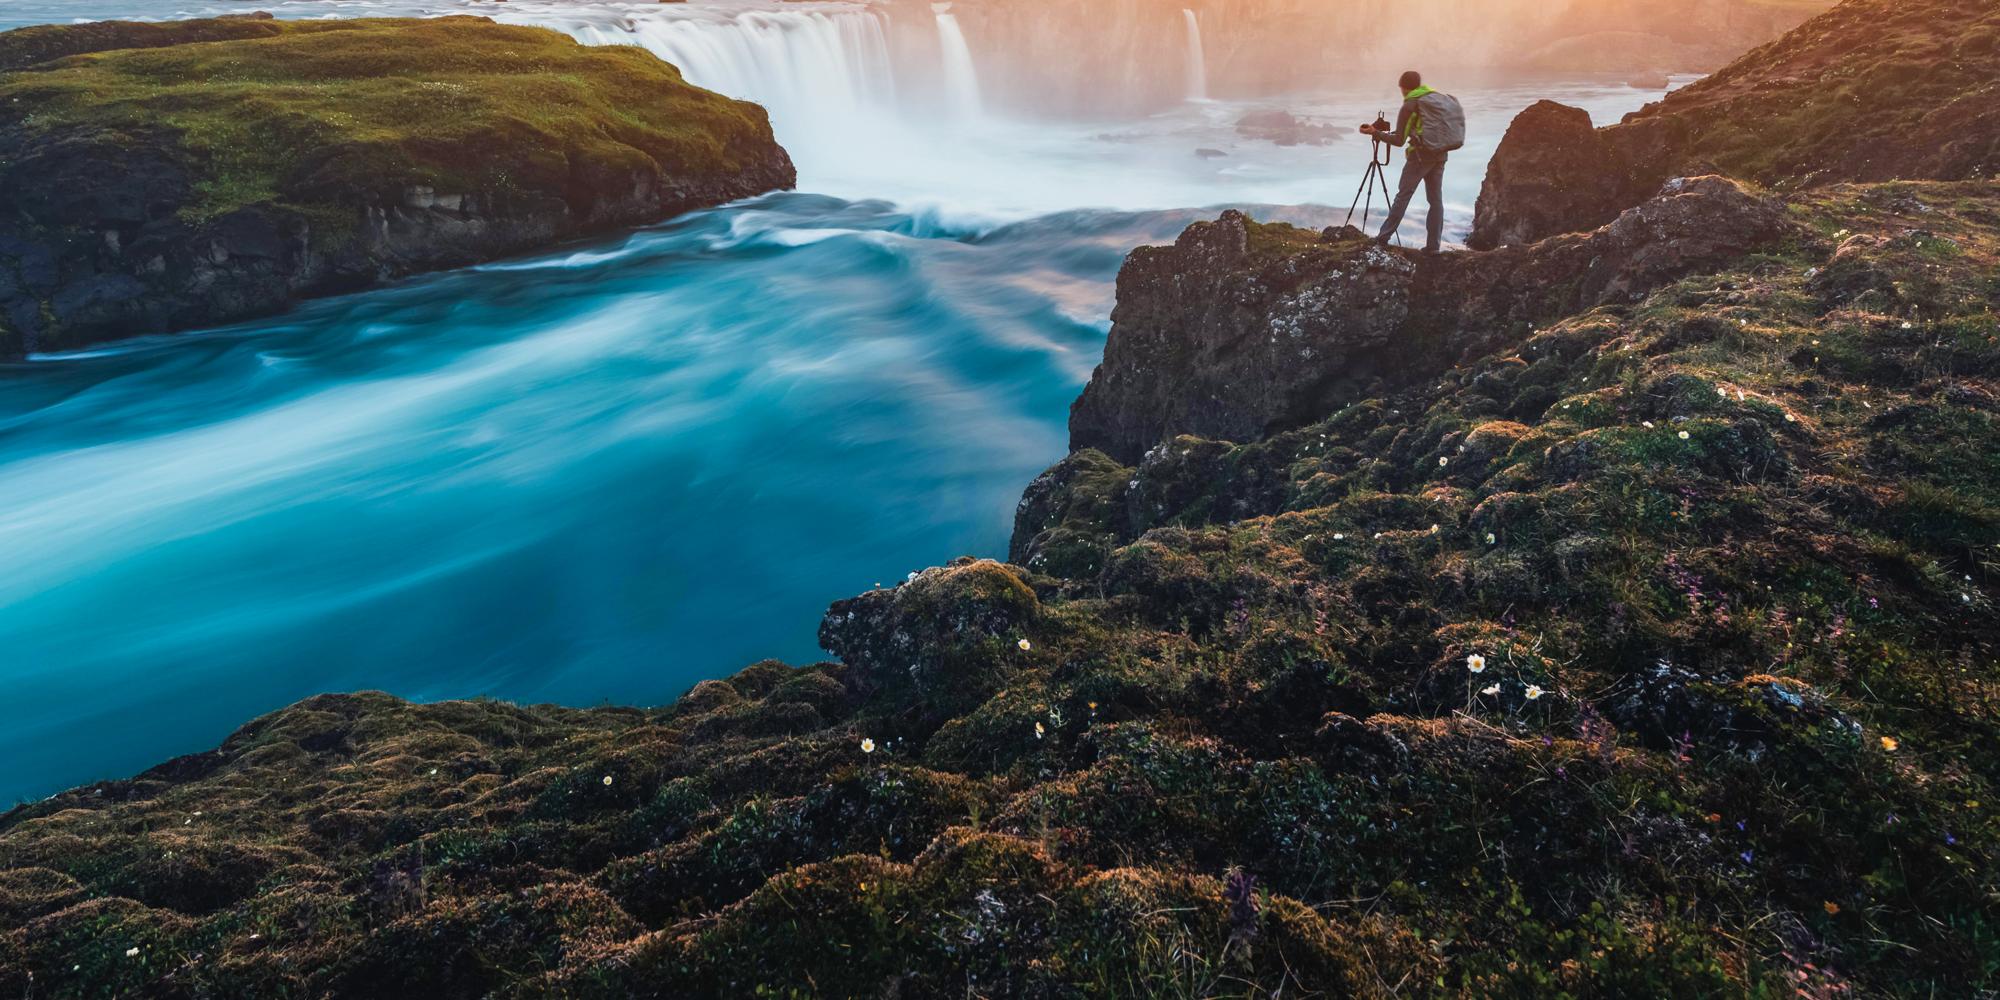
(1432, 125)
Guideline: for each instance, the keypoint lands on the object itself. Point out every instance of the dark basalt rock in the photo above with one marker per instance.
(1220, 336)
(1555, 174)
(1211, 338)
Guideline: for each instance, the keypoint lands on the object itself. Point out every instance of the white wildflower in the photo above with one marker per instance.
(1534, 691)
(1025, 645)
(867, 745)
(1475, 663)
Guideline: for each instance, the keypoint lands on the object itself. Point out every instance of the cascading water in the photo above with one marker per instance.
(816, 72)
(961, 78)
(1197, 60)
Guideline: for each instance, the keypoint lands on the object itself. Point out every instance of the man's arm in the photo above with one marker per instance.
(1403, 116)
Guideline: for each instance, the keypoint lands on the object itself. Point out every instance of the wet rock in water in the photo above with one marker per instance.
(1653, 80)
(1285, 129)
(1210, 154)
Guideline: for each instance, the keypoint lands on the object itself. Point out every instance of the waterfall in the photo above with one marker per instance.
(961, 80)
(1197, 61)
(814, 71)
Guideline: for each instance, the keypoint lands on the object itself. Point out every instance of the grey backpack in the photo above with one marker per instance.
(1444, 123)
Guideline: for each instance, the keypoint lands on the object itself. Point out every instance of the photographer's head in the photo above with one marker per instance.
(1410, 81)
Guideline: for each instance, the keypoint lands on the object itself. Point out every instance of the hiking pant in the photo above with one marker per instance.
(1428, 168)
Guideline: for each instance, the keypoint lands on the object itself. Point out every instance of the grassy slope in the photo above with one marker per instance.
(1866, 91)
(1240, 657)
(309, 112)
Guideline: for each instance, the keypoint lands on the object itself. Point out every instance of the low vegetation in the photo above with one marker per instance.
(1650, 655)
(314, 111)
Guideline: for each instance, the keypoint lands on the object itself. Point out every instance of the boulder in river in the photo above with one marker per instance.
(1285, 129)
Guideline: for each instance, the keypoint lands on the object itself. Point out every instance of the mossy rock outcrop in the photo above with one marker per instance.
(1872, 90)
(1640, 644)
(164, 177)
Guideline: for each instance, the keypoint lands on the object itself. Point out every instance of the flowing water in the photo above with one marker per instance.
(606, 472)
(1197, 60)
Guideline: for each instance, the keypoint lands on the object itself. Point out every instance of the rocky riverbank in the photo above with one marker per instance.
(1610, 615)
(165, 177)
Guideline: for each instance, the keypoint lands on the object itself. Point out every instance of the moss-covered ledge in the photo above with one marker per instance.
(164, 177)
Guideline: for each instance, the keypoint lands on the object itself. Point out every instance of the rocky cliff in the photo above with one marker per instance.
(1639, 642)
(163, 177)
(1240, 329)
(1871, 90)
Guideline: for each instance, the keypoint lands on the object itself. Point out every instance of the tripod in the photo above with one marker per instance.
(1375, 178)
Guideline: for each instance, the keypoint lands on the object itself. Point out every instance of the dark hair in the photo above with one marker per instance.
(1411, 81)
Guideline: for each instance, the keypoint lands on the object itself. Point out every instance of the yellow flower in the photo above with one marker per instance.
(607, 781)
(1039, 731)
(867, 745)
(1534, 691)
(1889, 743)
(1475, 663)
(1025, 645)
(1832, 908)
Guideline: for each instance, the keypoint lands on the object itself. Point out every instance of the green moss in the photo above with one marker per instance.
(308, 113)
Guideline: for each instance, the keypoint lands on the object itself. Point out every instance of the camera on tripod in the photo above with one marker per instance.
(1378, 157)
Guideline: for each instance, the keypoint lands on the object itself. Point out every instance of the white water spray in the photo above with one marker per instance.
(814, 71)
(961, 78)
(1197, 61)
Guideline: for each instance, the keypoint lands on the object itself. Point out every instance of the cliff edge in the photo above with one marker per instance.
(165, 177)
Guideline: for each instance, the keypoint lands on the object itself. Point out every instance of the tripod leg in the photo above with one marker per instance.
(1367, 187)
(1382, 178)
